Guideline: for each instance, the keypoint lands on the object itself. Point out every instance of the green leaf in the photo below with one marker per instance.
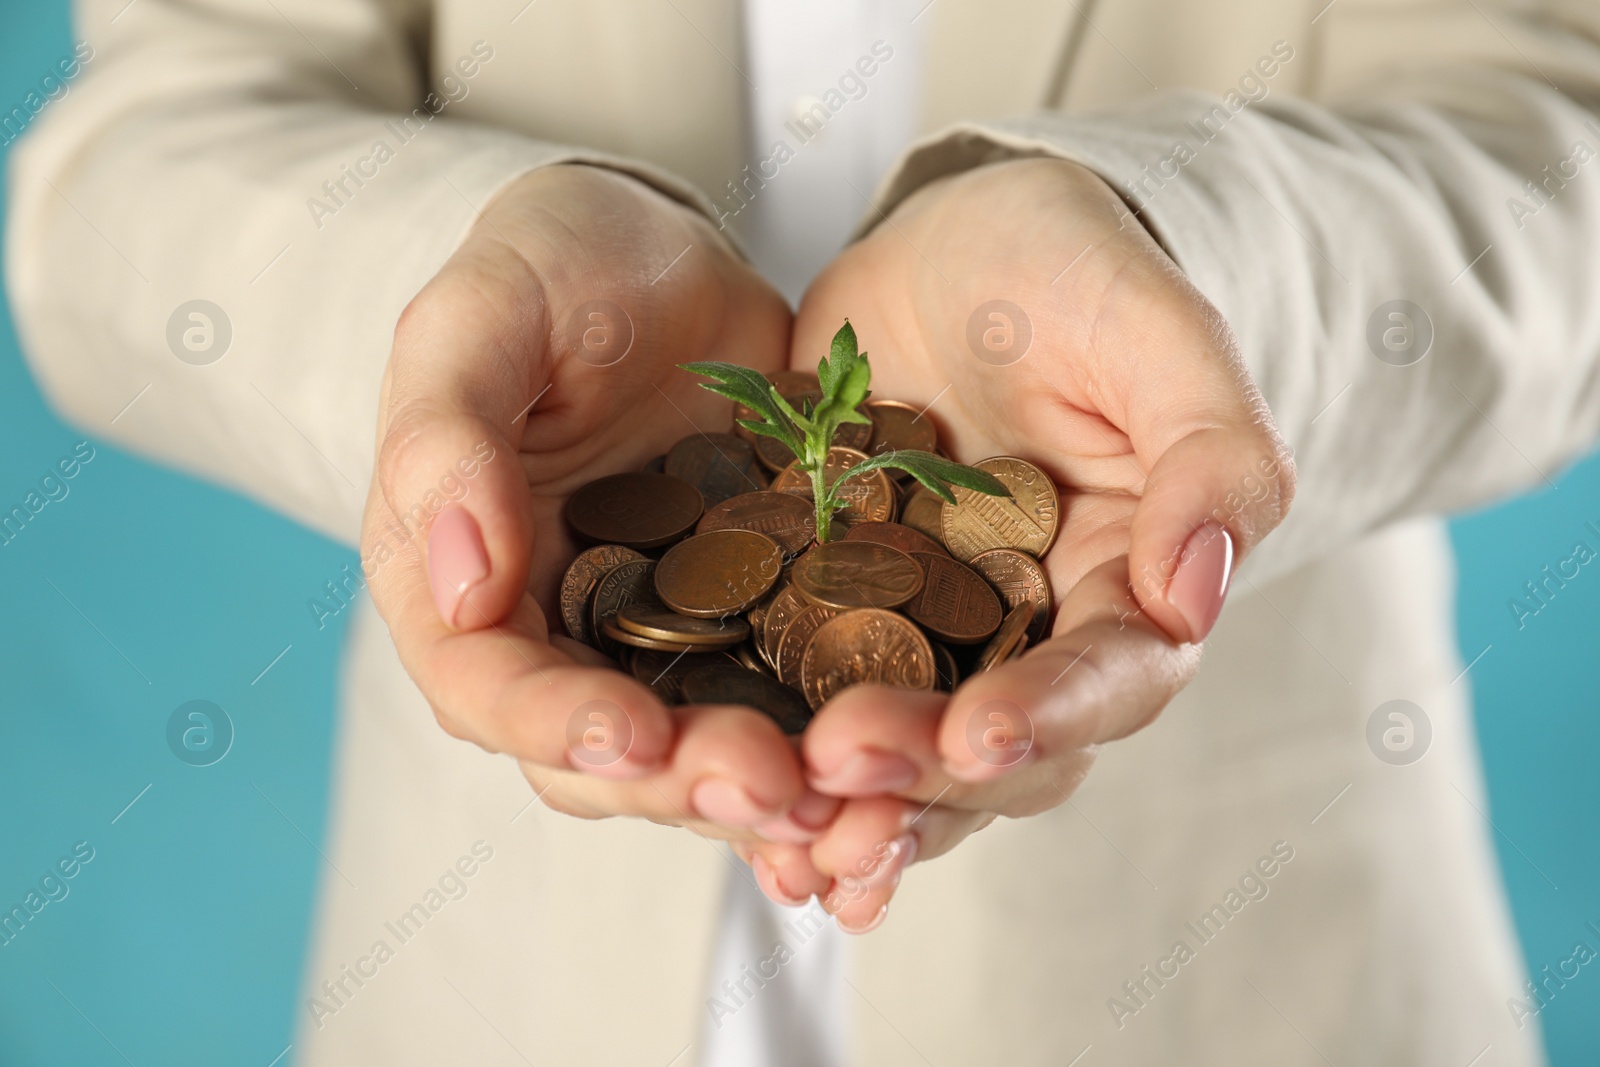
(844, 343)
(840, 363)
(765, 429)
(853, 384)
(750, 388)
(801, 422)
(740, 384)
(932, 471)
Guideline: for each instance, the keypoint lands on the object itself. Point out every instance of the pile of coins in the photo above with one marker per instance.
(706, 582)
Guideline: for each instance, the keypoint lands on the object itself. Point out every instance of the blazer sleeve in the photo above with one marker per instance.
(1408, 259)
(288, 163)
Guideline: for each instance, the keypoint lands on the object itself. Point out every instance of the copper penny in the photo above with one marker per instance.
(664, 624)
(1009, 640)
(720, 573)
(857, 574)
(895, 535)
(638, 510)
(720, 465)
(792, 647)
(1026, 520)
(795, 382)
(955, 604)
(785, 608)
(746, 655)
(900, 426)
(617, 638)
(727, 684)
(784, 517)
(869, 498)
(577, 585)
(865, 646)
(922, 512)
(632, 582)
(1017, 576)
(757, 617)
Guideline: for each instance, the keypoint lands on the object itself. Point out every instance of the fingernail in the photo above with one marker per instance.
(767, 879)
(1204, 567)
(871, 924)
(869, 771)
(457, 560)
(720, 800)
(804, 821)
(900, 854)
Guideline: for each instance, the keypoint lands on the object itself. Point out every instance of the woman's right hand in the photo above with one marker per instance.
(548, 343)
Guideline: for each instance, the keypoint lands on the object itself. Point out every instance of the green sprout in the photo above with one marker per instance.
(809, 433)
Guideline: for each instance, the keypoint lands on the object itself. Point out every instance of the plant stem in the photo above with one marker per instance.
(823, 498)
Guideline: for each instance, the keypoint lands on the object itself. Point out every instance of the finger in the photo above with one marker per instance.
(1108, 672)
(731, 771)
(507, 689)
(468, 353)
(1220, 477)
(784, 872)
(873, 741)
(871, 843)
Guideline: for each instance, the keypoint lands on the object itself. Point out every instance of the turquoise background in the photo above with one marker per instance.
(181, 942)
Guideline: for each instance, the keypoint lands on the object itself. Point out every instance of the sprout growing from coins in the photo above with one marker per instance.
(845, 376)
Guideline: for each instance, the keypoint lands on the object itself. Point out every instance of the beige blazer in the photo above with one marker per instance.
(1304, 163)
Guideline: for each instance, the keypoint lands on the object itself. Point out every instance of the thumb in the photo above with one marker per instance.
(465, 360)
(1213, 494)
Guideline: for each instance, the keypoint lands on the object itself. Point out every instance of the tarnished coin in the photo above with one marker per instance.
(664, 624)
(865, 646)
(627, 583)
(784, 517)
(896, 535)
(664, 671)
(944, 665)
(869, 498)
(784, 609)
(792, 647)
(1017, 576)
(898, 426)
(772, 453)
(857, 574)
(727, 684)
(922, 513)
(1009, 641)
(720, 573)
(720, 465)
(577, 585)
(1026, 520)
(956, 604)
(637, 510)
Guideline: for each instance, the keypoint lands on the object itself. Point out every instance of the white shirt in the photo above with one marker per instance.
(802, 54)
